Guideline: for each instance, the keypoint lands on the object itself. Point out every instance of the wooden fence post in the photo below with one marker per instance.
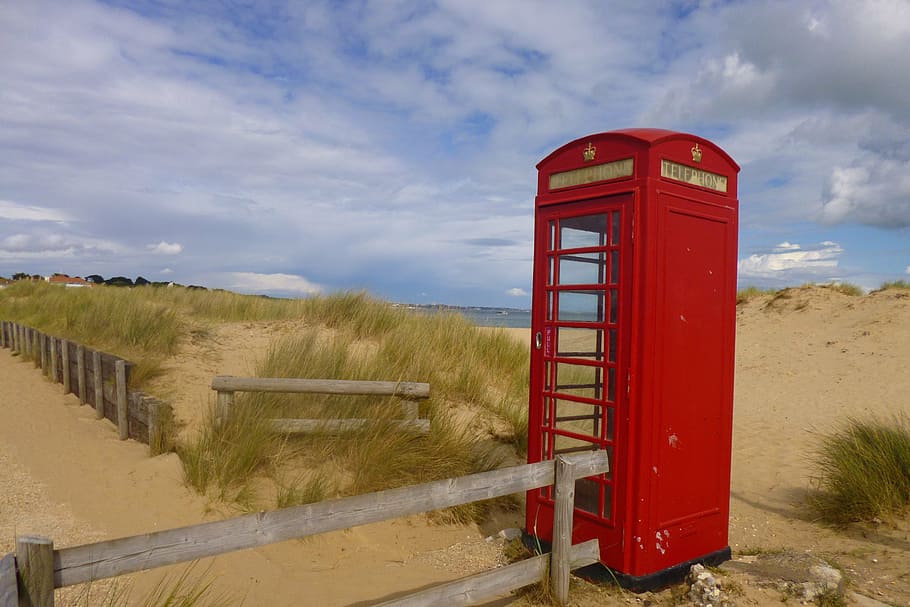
(9, 587)
(154, 425)
(26, 343)
(2, 333)
(42, 343)
(53, 358)
(15, 329)
(409, 410)
(123, 423)
(99, 386)
(223, 407)
(35, 559)
(562, 529)
(65, 363)
(36, 347)
(80, 372)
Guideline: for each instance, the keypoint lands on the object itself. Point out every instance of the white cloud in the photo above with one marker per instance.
(166, 271)
(517, 292)
(16, 211)
(786, 246)
(165, 248)
(873, 191)
(793, 263)
(279, 283)
(53, 245)
(908, 270)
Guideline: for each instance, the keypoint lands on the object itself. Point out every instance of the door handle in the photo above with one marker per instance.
(538, 340)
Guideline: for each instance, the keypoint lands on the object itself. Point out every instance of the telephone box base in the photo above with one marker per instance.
(600, 574)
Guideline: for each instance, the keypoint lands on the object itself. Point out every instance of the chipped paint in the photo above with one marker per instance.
(663, 540)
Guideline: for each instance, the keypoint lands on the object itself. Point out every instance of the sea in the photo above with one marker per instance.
(484, 317)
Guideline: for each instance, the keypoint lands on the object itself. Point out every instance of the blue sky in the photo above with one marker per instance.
(306, 147)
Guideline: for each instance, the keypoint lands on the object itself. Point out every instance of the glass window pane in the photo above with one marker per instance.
(614, 305)
(617, 224)
(579, 380)
(611, 385)
(579, 418)
(581, 343)
(611, 352)
(581, 306)
(551, 241)
(584, 231)
(614, 267)
(549, 305)
(611, 421)
(608, 502)
(582, 269)
(567, 444)
(587, 495)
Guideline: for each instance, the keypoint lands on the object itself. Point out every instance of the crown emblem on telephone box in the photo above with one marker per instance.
(696, 153)
(590, 152)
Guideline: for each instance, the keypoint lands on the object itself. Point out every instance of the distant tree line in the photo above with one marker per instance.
(116, 281)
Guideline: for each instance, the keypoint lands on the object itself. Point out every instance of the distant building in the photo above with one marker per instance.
(68, 281)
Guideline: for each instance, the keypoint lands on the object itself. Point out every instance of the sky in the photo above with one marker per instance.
(390, 146)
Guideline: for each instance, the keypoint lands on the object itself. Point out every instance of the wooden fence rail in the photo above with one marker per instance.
(409, 392)
(97, 378)
(111, 558)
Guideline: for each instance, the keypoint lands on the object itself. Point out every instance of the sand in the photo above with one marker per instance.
(804, 364)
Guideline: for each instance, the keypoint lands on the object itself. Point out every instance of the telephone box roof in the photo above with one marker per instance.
(645, 137)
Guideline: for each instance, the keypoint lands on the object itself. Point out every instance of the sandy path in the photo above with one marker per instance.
(65, 475)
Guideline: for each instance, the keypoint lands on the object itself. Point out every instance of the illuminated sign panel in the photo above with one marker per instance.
(687, 174)
(592, 174)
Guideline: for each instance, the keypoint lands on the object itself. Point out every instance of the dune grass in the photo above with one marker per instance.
(845, 288)
(480, 373)
(749, 293)
(353, 336)
(895, 285)
(181, 590)
(863, 472)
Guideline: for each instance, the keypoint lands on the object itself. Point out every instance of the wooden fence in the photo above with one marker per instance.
(39, 568)
(97, 378)
(409, 392)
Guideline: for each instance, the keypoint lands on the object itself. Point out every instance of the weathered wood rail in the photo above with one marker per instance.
(41, 568)
(409, 392)
(99, 379)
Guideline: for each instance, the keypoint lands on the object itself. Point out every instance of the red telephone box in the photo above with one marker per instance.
(633, 324)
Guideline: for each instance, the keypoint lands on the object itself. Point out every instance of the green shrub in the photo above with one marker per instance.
(863, 472)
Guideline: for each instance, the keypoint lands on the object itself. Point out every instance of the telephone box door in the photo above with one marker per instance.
(579, 362)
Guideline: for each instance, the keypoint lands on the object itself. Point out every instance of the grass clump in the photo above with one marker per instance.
(863, 472)
(895, 285)
(846, 288)
(750, 293)
(228, 455)
(183, 590)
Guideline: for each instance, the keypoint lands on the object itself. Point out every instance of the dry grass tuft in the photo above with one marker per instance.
(863, 472)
